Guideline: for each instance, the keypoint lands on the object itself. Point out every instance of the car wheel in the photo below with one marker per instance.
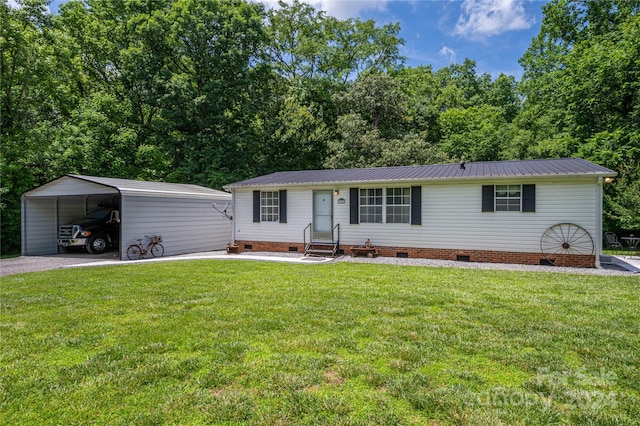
(98, 244)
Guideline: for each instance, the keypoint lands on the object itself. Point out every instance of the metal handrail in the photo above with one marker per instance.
(334, 240)
(304, 235)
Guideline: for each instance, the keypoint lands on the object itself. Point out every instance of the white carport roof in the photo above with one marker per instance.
(80, 185)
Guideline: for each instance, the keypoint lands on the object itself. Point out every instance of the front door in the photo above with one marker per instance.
(322, 215)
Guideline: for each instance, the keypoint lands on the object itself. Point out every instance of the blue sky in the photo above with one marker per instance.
(494, 33)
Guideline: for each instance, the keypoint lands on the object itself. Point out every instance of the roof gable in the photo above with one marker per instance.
(80, 185)
(473, 170)
(68, 185)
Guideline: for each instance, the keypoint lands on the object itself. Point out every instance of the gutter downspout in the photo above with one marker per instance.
(599, 212)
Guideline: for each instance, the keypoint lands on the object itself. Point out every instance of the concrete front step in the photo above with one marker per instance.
(321, 248)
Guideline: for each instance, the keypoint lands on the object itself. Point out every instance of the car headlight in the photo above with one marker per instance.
(85, 233)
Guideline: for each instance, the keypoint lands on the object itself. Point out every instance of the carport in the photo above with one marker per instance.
(181, 213)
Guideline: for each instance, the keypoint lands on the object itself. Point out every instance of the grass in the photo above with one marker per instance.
(622, 252)
(236, 342)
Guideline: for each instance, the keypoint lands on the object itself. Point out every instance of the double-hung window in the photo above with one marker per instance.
(508, 198)
(269, 206)
(371, 205)
(398, 205)
(390, 205)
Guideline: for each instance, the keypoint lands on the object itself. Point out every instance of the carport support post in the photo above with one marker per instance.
(599, 212)
(122, 201)
(23, 225)
(57, 218)
(233, 212)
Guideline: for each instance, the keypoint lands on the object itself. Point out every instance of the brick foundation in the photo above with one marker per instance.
(431, 253)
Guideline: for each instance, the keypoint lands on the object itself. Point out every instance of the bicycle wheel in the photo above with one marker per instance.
(134, 252)
(157, 250)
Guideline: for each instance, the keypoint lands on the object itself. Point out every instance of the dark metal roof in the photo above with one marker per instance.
(477, 170)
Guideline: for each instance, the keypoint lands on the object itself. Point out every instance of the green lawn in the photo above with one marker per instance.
(238, 342)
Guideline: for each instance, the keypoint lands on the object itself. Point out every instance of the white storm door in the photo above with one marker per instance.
(322, 215)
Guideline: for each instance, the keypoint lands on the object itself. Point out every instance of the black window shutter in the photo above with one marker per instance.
(256, 206)
(354, 204)
(528, 198)
(416, 205)
(282, 200)
(488, 193)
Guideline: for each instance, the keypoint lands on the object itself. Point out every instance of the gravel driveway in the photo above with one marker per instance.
(42, 263)
(19, 265)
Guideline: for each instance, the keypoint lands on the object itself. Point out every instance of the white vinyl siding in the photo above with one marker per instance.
(451, 217)
(299, 215)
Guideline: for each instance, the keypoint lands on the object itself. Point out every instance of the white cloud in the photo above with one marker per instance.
(341, 9)
(13, 4)
(449, 54)
(484, 18)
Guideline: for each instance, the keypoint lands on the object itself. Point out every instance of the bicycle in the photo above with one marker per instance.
(137, 251)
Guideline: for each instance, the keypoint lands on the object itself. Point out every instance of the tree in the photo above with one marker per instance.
(472, 134)
(379, 101)
(581, 85)
(294, 135)
(30, 107)
(308, 44)
(217, 87)
(421, 90)
(317, 58)
(375, 129)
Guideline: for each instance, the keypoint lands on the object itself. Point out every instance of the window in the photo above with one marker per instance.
(269, 206)
(371, 205)
(398, 205)
(395, 203)
(508, 198)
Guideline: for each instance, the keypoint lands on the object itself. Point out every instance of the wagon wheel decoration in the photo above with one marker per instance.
(567, 244)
